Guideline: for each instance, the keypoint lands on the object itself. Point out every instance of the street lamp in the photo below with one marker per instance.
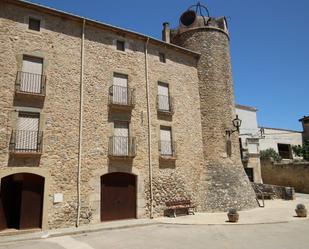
(236, 123)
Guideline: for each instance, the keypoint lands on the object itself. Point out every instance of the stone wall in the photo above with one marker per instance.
(292, 174)
(59, 43)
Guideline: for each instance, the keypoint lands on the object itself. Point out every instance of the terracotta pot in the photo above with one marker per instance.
(233, 217)
(301, 212)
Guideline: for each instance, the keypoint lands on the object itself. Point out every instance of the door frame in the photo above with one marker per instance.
(35, 171)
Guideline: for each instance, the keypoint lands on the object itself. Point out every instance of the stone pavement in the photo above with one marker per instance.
(275, 211)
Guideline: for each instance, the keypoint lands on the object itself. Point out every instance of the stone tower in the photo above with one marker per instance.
(225, 183)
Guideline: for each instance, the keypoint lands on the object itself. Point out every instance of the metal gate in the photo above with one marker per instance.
(118, 196)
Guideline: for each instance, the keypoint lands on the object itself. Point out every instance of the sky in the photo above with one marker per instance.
(269, 46)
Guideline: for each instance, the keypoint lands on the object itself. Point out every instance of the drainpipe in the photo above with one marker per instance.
(80, 123)
(149, 129)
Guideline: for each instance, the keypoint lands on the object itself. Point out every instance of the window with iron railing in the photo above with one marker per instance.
(25, 141)
(165, 104)
(122, 146)
(30, 83)
(120, 95)
(167, 148)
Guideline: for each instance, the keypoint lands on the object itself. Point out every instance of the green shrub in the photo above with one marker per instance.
(302, 151)
(270, 154)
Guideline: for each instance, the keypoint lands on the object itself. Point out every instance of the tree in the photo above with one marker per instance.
(270, 154)
(302, 151)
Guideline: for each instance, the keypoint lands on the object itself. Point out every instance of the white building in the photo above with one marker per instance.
(254, 138)
(249, 136)
(281, 140)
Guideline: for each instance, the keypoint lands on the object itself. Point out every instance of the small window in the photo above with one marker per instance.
(120, 45)
(34, 24)
(162, 58)
(285, 151)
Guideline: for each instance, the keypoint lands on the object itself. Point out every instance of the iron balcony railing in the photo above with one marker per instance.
(167, 149)
(26, 141)
(121, 96)
(122, 146)
(30, 83)
(165, 104)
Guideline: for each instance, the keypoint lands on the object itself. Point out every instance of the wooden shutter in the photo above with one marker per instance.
(163, 97)
(120, 89)
(121, 138)
(27, 131)
(166, 140)
(31, 74)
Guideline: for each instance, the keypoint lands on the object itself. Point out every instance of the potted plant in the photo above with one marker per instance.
(233, 215)
(301, 210)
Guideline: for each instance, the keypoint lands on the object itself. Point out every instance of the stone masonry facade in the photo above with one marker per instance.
(201, 170)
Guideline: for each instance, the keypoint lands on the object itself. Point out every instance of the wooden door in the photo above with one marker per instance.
(31, 76)
(3, 224)
(31, 202)
(118, 196)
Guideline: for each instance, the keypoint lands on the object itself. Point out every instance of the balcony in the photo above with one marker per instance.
(122, 147)
(122, 98)
(165, 105)
(167, 150)
(26, 142)
(30, 84)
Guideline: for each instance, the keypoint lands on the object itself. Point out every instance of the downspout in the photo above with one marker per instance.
(80, 124)
(149, 130)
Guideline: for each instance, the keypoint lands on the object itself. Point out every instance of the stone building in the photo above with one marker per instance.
(100, 123)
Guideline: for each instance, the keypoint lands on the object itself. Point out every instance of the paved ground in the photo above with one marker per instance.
(292, 235)
(274, 226)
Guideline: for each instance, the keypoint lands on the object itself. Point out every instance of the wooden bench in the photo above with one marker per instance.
(180, 204)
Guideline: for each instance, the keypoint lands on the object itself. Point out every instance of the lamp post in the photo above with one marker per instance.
(236, 123)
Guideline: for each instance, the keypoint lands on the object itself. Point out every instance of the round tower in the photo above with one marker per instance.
(225, 183)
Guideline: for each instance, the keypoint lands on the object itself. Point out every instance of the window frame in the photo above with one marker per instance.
(34, 19)
(120, 45)
(162, 57)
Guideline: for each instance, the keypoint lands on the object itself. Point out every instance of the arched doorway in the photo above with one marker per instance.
(118, 196)
(21, 201)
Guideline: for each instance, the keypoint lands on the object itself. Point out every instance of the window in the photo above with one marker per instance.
(120, 45)
(166, 146)
(120, 89)
(121, 138)
(34, 24)
(31, 75)
(162, 58)
(285, 151)
(27, 131)
(163, 97)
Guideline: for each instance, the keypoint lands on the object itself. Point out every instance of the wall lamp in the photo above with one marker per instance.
(236, 123)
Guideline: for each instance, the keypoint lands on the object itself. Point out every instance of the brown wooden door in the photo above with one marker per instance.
(3, 224)
(31, 202)
(118, 196)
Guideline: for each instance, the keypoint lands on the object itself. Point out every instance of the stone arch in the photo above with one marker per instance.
(36, 173)
(95, 196)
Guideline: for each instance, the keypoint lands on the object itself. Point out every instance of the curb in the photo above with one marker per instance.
(10, 239)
